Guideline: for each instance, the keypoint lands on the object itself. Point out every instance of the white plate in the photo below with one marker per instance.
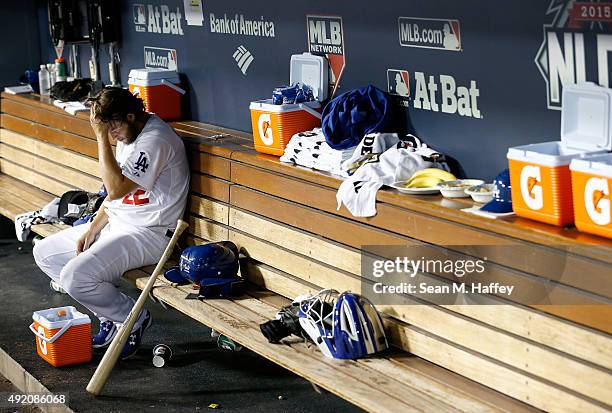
(414, 191)
(456, 191)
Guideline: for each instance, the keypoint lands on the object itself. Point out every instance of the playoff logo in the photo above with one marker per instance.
(576, 46)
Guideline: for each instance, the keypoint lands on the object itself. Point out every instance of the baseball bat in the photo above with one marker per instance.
(100, 376)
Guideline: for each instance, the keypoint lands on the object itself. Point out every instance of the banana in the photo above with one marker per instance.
(423, 182)
(434, 172)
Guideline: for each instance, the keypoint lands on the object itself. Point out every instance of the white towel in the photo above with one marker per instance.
(310, 149)
(358, 192)
(23, 222)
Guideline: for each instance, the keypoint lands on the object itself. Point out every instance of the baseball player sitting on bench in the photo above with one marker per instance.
(147, 185)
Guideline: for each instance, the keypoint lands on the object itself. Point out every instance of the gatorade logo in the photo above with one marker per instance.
(265, 129)
(42, 343)
(597, 200)
(531, 188)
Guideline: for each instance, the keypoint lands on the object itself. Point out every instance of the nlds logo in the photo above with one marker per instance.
(577, 36)
(435, 93)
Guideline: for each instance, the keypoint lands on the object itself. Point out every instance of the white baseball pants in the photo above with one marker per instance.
(90, 276)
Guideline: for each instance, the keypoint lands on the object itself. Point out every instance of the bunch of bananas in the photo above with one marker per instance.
(429, 178)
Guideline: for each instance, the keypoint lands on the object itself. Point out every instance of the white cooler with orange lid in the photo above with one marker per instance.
(160, 91)
(63, 336)
(591, 185)
(274, 125)
(540, 173)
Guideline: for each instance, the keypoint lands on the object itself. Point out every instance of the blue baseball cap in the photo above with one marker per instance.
(502, 195)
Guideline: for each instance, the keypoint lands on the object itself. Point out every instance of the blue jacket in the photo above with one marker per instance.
(352, 115)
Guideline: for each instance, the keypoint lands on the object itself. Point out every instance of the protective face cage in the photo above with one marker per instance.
(343, 326)
(286, 322)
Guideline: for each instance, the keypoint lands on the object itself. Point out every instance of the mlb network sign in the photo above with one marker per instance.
(442, 34)
(325, 35)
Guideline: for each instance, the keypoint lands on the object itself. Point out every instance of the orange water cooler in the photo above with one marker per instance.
(160, 91)
(540, 173)
(63, 336)
(274, 125)
(591, 185)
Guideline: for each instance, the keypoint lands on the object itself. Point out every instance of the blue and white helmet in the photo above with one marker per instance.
(343, 326)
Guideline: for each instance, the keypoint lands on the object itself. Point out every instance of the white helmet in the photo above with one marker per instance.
(343, 326)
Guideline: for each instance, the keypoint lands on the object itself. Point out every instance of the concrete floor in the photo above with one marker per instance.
(200, 373)
(7, 387)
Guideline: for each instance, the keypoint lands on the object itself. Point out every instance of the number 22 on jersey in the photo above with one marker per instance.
(136, 198)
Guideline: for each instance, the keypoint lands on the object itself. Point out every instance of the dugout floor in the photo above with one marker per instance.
(200, 373)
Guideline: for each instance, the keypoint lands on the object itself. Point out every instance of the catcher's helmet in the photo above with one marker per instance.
(343, 326)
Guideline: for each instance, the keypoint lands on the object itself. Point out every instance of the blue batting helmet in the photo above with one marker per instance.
(216, 260)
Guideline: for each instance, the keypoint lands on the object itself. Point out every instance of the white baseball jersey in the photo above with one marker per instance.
(398, 163)
(157, 162)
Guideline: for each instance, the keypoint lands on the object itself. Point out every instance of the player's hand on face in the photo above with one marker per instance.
(84, 242)
(100, 128)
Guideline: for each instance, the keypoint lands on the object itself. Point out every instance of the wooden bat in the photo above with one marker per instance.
(100, 376)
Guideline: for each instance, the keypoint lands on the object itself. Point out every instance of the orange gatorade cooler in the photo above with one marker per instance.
(63, 336)
(591, 184)
(540, 174)
(159, 90)
(274, 125)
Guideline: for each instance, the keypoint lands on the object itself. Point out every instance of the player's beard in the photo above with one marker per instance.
(131, 133)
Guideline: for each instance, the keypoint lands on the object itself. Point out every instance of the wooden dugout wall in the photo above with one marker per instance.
(553, 357)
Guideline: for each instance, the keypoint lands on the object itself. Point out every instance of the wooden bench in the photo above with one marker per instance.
(556, 358)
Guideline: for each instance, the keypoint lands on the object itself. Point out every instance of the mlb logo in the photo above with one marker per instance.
(452, 35)
(139, 14)
(398, 82)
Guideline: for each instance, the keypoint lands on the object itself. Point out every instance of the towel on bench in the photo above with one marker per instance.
(46, 215)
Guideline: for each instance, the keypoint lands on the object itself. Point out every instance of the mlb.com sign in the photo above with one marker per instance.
(442, 34)
(160, 58)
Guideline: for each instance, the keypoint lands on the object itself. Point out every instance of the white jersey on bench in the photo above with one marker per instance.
(156, 161)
